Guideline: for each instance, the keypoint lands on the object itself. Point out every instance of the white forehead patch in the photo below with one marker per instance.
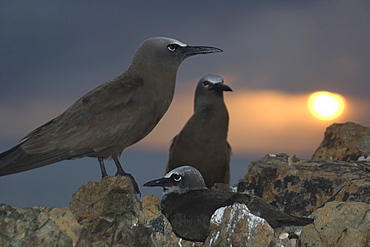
(168, 175)
(214, 79)
(179, 43)
(182, 170)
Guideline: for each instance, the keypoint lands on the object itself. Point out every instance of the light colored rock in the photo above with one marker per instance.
(348, 142)
(236, 226)
(111, 212)
(339, 224)
(151, 207)
(39, 226)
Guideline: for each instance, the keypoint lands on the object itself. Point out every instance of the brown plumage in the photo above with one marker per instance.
(111, 117)
(202, 143)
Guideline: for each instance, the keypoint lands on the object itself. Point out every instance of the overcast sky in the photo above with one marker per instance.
(275, 54)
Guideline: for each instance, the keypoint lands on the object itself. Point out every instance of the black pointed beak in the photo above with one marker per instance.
(195, 50)
(222, 87)
(163, 182)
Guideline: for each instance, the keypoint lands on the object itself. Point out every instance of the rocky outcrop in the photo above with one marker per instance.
(299, 186)
(348, 141)
(339, 224)
(40, 226)
(108, 213)
(111, 213)
(335, 193)
(234, 225)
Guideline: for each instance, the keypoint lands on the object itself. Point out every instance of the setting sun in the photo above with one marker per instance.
(325, 105)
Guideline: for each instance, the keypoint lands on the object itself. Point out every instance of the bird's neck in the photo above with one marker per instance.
(161, 85)
(216, 109)
(212, 101)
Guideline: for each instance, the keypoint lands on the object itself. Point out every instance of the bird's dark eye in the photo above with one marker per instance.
(206, 83)
(176, 177)
(172, 47)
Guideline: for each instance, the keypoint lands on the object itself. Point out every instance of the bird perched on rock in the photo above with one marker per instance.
(189, 205)
(113, 116)
(202, 143)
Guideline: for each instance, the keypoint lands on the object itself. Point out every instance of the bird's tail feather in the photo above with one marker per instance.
(16, 160)
(296, 221)
(274, 216)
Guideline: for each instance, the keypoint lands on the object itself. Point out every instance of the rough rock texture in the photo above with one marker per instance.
(339, 224)
(348, 141)
(240, 223)
(300, 186)
(40, 226)
(108, 213)
(111, 213)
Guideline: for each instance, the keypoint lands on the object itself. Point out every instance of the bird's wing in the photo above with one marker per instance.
(271, 214)
(191, 213)
(229, 151)
(173, 143)
(169, 165)
(229, 148)
(205, 201)
(91, 122)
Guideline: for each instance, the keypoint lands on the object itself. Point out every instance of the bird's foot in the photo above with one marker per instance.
(136, 187)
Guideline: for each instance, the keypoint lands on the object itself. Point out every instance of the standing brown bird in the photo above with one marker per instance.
(113, 116)
(202, 143)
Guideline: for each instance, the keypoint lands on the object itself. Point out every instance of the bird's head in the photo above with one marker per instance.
(180, 180)
(212, 83)
(210, 90)
(167, 52)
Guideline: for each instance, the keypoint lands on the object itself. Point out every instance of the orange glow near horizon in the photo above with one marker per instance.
(261, 121)
(325, 105)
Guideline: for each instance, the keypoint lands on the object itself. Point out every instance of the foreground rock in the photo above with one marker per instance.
(244, 227)
(348, 141)
(107, 213)
(339, 224)
(40, 226)
(111, 213)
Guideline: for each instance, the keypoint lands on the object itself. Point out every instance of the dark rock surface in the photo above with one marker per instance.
(300, 186)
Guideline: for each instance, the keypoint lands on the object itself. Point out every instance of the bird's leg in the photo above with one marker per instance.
(102, 168)
(121, 172)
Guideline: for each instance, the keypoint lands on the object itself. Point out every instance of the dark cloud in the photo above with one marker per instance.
(55, 46)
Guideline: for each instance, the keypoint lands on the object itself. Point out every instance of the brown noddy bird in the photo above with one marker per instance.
(188, 204)
(111, 117)
(202, 143)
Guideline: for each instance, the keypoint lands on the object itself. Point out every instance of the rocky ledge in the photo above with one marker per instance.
(336, 193)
